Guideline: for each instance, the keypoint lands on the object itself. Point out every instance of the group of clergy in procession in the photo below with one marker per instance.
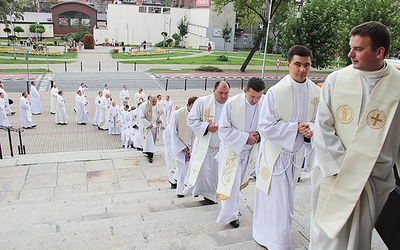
(216, 144)
(346, 134)
(28, 106)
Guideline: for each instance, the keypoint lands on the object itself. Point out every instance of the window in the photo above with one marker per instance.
(245, 39)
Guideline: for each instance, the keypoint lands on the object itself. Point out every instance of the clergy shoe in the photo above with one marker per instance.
(52, 113)
(180, 195)
(151, 159)
(209, 202)
(234, 223)
(12, 113)
(173, 186)
(34, 125)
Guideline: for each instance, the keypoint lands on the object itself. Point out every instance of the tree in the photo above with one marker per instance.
(16, 8)
(37, 29)
(183, 29)
(177, 38)
(7, 30)
(18, 29)
(250, 13)
(325, 25)
(226, 34)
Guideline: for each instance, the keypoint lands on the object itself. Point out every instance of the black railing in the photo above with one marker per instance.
(21, 147)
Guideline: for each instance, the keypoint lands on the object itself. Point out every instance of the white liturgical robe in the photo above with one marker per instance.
(36, 104)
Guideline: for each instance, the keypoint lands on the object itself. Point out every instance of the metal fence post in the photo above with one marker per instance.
(241, 86)
(99, 66)
(117, 66)
(185, 84)
(10, 141)
(81, 67)
(166, 85)
(65, 66)
(205, 84)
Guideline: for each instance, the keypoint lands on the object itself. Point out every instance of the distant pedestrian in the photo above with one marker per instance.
(209, 47)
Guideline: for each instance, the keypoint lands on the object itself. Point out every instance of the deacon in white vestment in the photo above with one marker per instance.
(203, 120)
(357, 139)
(238, 127)
(126, 121)
(53, 98)
(150, 121)
(113, 117)
(83, 88)
(137, 142)
(97, 104)
(36, 104)
(105, 103)
(139, 97)
(170, 163)
(286, 125)
(25, 112)
(7, 100)
(82, 115)
(182, 138)
(106, 90)
(3, 114)
(124, 95)
(168, 109)
(61, 110)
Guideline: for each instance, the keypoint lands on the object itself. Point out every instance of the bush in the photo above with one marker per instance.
(88, 41)
(209, 69)
(114, 50)
(222, 58)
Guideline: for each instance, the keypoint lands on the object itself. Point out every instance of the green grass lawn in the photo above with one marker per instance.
(24, 70)
(126, 57)
(30, 61)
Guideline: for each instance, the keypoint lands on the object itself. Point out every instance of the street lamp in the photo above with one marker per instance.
(298, 3)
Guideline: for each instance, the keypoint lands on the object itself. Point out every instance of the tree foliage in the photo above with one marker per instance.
(177, 38)
(250, 13)
(78, 36)
(88, 41)
(183, 29)
(15, 7)
(226, 34)
(325, 25)
(18, 29)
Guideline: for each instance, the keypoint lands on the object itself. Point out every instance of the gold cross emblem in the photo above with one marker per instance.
(376, 119)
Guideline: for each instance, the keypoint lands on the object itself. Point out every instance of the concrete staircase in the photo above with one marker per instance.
(115, 199)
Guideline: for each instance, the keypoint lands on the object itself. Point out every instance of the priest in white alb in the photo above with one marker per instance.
(357, 139)
(240, 140)
(82, 115)
(36, 104)
(53, 98)
(182, 138)
(97, 104)
(124, 95)
(25, 111)
(149, 114)
(114, 120)
(203, 120)
(286, 125)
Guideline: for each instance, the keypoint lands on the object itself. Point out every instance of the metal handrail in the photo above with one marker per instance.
(21, 147)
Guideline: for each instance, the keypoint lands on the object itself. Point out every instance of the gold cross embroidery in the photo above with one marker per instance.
(376, 120)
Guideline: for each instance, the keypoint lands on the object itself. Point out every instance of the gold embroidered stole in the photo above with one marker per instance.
(283, 99)
(200, 152)
(149, 115)
(231, 158)
(183, 128)
(339, 194)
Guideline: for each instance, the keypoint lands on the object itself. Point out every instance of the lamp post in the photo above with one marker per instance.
(298, 3)
(266, 39)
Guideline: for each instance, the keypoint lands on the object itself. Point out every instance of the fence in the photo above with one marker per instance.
(21, 147)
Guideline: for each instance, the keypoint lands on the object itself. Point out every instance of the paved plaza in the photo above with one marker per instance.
(77, 188)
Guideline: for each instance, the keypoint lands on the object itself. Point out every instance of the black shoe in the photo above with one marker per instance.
(173, 185)
(209, 202)
(180, 195)
(34, 126)
(234, 223)
(151, 159)
(12, 113)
